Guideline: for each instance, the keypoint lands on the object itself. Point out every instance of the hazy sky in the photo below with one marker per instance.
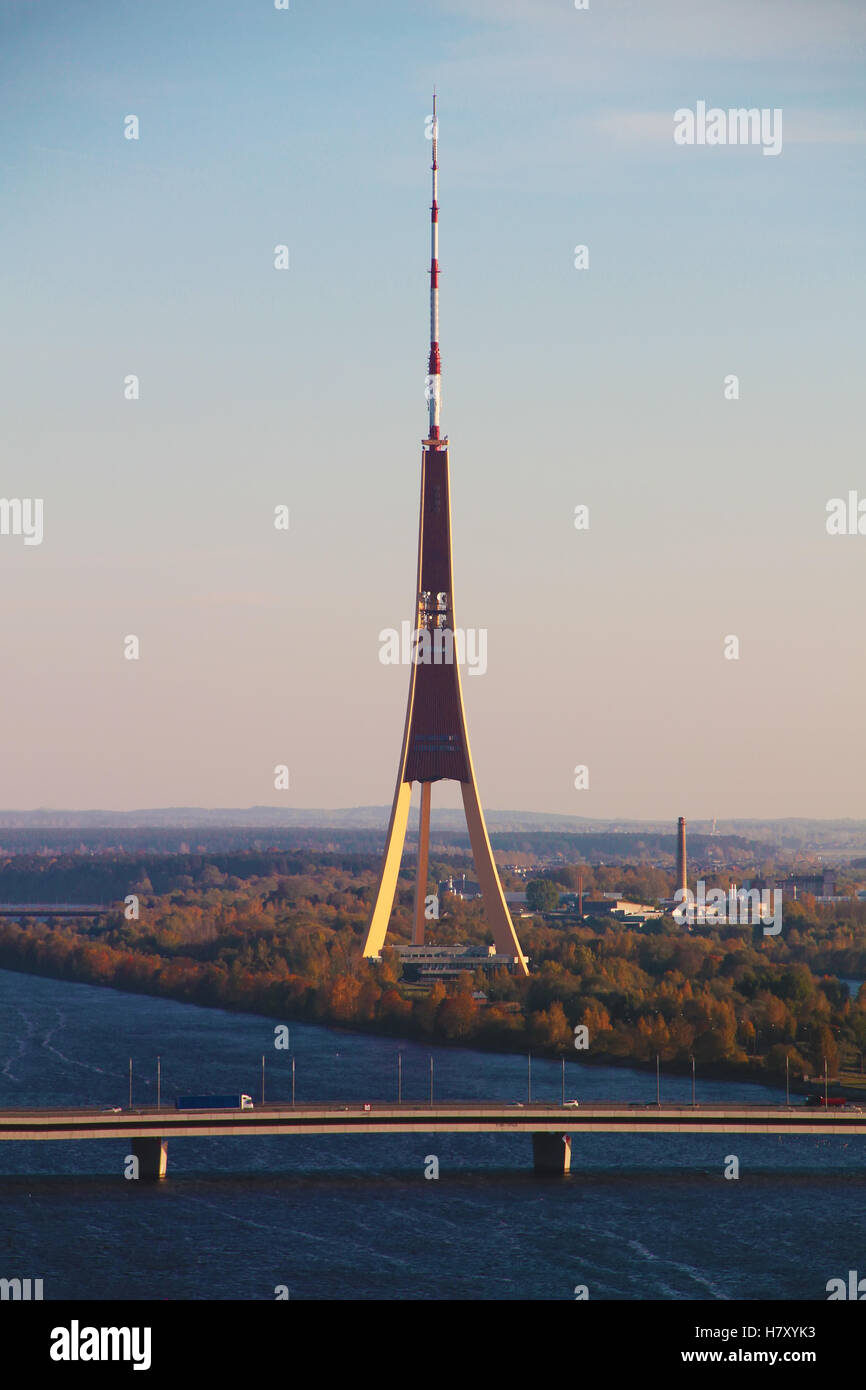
(304, 387)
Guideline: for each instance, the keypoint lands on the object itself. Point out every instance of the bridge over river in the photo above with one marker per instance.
(551, 1126)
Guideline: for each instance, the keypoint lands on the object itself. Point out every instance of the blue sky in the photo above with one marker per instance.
(305, 387)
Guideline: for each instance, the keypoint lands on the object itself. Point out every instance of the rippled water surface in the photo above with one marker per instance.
(639, 1217)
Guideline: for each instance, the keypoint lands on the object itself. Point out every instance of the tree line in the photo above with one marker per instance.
(288, 943)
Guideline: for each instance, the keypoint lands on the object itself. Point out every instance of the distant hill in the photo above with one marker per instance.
(361, 817)
(363, 827)
(352, 817)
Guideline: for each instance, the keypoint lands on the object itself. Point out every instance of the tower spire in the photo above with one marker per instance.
(434, 365)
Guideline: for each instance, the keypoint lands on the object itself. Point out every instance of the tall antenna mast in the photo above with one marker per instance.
(434, 365)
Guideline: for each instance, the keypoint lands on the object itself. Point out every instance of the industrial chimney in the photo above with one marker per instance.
(681, 857)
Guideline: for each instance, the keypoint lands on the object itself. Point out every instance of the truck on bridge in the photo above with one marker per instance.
(242, 1102)
(839, 1102)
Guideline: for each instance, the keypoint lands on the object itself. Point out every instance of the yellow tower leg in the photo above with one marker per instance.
(390, 870)
(495, 906)
(423, 862)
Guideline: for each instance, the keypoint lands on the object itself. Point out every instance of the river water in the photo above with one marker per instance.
(639, 1217)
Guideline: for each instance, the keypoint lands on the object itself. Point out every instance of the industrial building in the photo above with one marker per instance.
(430, 962)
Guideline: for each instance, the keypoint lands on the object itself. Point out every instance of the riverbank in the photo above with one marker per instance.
(162, 985)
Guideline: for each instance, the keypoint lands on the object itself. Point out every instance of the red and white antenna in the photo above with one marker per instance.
(434, 365)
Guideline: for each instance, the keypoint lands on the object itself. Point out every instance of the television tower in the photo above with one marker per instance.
(435, 742)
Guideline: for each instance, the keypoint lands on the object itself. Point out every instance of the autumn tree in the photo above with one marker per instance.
(426, 1009)
(549, 1028)
(542, 895)
(457, 1016)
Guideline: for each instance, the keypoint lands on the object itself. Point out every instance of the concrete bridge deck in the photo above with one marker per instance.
(551, 1125)
(471, 1117)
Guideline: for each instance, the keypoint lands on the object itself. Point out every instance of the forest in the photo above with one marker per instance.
(281, 933)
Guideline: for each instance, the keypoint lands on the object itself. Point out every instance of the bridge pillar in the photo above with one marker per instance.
(152, 1155)
(551, 1153)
